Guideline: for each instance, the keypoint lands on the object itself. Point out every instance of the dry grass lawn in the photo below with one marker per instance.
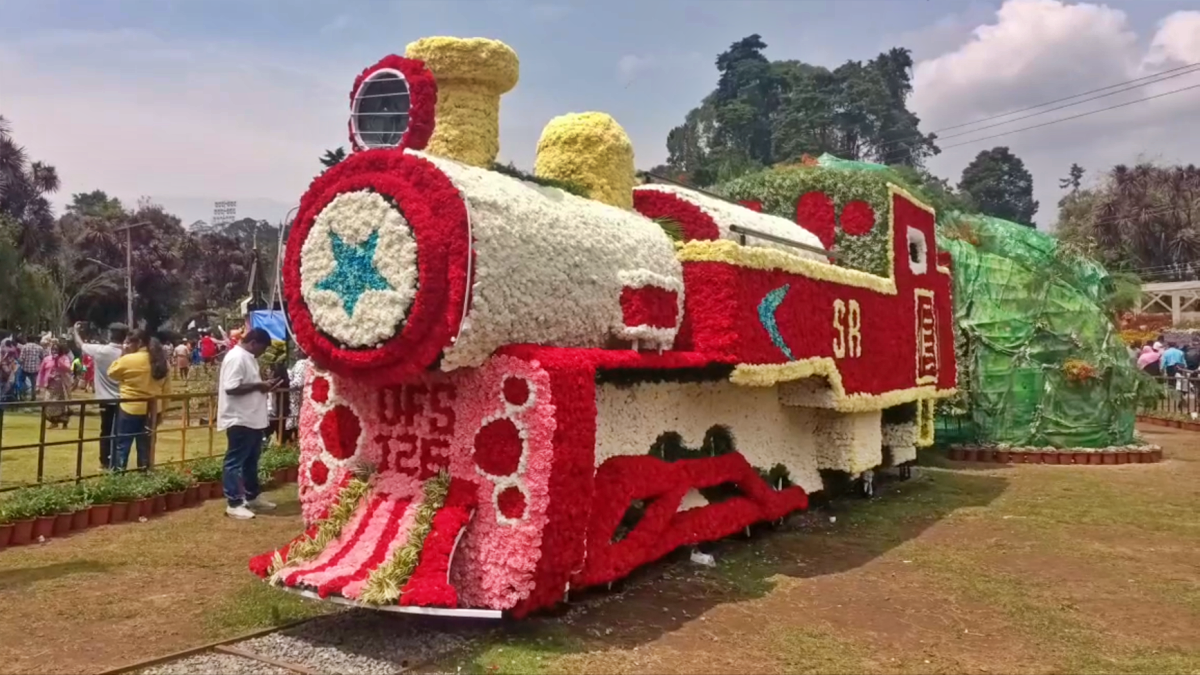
(1022, 569)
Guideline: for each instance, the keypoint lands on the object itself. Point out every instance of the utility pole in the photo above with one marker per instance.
(128, 229)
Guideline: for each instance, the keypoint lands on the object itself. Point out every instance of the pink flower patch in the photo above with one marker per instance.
(511, 502)
(498, 447)
(516, 390)
(340, 430)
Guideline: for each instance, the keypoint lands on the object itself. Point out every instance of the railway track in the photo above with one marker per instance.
(353, 642)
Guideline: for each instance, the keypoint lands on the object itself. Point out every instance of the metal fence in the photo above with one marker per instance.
(1181, 396)
(181, 427)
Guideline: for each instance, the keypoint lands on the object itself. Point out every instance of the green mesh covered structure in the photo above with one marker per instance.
(1023, 307)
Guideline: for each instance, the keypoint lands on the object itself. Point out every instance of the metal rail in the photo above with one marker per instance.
(428, 611)
(744, 232)
(738, 229)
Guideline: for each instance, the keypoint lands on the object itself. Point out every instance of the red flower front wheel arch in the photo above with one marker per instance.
(437, 216)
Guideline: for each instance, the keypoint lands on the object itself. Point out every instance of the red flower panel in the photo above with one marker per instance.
(649, 306)
(695, 223)
(815, 213)
(858, 218)
(320, 390)
(511, 502)
(429, 584)
(498, 447)
(340, 429)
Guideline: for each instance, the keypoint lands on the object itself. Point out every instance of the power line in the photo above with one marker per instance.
(1067, 98)
(1068, 105)
(1146, 80)
(1073, 117)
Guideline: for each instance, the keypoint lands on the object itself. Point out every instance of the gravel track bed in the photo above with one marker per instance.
(215, 664)
(354, 642)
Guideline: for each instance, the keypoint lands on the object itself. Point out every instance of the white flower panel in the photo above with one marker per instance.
(549, 266)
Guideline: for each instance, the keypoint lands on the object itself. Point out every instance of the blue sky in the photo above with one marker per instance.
(190, 101)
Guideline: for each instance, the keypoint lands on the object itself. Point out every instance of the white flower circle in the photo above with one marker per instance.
(365, 302)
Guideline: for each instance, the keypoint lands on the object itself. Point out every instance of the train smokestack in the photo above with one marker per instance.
(592, 150)
(471, 74)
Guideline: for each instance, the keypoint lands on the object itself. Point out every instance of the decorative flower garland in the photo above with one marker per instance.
(312, 545)
(429, 585)
(384, 584)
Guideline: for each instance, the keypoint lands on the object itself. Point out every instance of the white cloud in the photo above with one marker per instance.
(1034, 51)
(632, 66)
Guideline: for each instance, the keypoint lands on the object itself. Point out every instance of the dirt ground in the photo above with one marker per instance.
(964, 569)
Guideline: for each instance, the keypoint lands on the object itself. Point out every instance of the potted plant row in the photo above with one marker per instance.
(41, 512)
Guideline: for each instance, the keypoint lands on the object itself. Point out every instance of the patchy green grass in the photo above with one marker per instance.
(257, 605)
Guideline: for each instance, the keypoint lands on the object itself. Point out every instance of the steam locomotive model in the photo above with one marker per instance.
(518, 391)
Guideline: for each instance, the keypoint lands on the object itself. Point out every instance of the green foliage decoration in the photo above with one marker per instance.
(780, 188)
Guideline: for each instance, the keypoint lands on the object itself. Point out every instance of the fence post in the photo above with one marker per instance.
(152, 420)
(42, 445)
(187, 420)
(79, 445)
(211, 423)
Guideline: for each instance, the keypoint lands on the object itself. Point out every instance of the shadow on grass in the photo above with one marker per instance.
(660, 598)
(14, 579)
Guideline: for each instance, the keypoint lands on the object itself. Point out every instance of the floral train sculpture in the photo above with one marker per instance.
(519, 390)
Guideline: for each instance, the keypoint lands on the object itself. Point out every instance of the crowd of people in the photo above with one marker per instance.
(1179, 364)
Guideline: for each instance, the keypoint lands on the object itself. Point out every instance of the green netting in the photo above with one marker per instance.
(1023, 307)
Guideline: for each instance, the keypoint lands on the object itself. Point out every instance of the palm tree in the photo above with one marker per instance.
(23, 186)
(332, 157)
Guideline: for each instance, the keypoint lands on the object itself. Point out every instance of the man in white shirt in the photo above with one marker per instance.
(242, 415)
(107, 390)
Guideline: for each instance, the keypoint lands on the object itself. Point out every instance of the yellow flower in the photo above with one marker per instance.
(592, 150)
(471, 74)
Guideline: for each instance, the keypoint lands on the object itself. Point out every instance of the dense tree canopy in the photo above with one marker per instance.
(765, 112)
(1000, 185)
(56, 271)
(1143, 219)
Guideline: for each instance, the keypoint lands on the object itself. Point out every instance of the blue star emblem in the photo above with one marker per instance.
(354, 271)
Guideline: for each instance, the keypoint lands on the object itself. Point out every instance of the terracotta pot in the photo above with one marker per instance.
(1081, 457)
(210, 490)
(1095, 458)
(1066, 458)
(280, 476)
(5, 534)
(1140, 457)
(140, 508)
(970, 455)
(1002, 457)
(121, 511)
(99, 514)
(1049, 458)
(62, 524)
(1033, 457)
(1122, 457)
(1156, 455)
(174, 500)
(22, 532)
(293, 474)
(43, 527)
(80, 520)
(1109, 457)
(158, 504)
(955, 454)
(191, 496)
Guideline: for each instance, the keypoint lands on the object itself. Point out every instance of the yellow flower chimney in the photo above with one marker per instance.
(472, 74)
(592, 150)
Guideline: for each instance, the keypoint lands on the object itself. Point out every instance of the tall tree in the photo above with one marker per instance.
(763, 112)
(24, 186)
(1143, 219)
(1073, 180)
(1000, 186)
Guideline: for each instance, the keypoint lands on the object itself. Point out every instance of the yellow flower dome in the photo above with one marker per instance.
(592, 150)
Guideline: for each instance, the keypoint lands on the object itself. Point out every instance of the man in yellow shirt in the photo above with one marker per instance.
(141, 373)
